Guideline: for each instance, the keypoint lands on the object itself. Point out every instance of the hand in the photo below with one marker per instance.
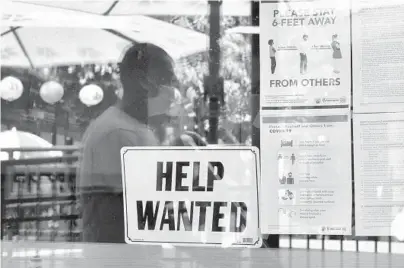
(189, 138)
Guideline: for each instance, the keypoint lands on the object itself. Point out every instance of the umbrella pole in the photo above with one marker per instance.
(55, 126)
(66, 126)
(214, 83)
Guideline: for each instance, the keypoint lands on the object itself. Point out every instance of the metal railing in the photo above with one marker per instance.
(38, 196)
(343, 243)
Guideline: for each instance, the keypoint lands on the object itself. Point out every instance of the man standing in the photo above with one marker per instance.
(138, 119)
(303, 49)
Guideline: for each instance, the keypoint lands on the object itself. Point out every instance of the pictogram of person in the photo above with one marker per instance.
(290, 179)
(272, 55)
(293, 158)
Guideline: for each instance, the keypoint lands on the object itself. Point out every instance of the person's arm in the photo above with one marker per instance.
(227, 137)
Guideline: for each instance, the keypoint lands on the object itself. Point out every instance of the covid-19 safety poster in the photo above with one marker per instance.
(306, 172)
(305, 120)
(305, 53)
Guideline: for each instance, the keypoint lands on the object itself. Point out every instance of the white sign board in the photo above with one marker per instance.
(379, 173)
(204, 196)
(305, 53)
(306, 172)
(377, 56)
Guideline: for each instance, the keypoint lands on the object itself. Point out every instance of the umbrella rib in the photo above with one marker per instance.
(10, 31)
(109, 10)
(120, 35)
(24, 50)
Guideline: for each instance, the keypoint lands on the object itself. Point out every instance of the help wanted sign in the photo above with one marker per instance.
(204, 196)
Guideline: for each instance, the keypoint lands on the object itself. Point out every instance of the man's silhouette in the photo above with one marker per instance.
(147, 77)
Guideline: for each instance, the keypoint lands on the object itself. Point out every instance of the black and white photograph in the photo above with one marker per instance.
(201, 133)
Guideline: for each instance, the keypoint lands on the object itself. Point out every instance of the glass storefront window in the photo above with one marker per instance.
(83, 79)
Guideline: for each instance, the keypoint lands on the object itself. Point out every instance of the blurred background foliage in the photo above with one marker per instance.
(235, 69)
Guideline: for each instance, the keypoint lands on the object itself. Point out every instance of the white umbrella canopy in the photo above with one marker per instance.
(149, 7)
(19, 139)
(37, 36)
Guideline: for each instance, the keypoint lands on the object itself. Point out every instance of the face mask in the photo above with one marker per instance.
(167, 102)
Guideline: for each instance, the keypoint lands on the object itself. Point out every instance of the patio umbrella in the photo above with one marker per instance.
(36, 36)
(20, 139)
(150, 7)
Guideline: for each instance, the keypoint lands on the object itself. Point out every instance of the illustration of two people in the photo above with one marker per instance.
(292, 157)
(303, 49)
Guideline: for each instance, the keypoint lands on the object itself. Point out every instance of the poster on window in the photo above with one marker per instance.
(305, 53)
(306, 172)
(194, 197)
(379, 174)
(378, 56)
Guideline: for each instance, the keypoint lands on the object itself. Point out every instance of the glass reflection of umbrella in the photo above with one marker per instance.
(53, 36)
(150, 7)
(20, 139)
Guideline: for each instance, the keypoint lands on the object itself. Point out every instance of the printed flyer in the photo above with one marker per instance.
(305, 53)
(306, 172)
(378, 56)
(379, 173)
